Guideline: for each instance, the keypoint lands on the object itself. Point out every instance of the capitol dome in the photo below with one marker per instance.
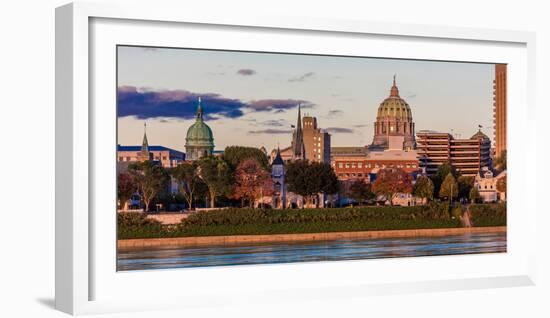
(394, 106)
(200, 139)
(394, 123)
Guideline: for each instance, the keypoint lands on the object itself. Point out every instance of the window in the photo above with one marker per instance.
(120, 158)
(340, 165)
(347, 165)
(127, 158)
(353, 165)
(164, 158)
(353, 174)
(360, 165)
(359, 174)
(414, 166)
(340, 174)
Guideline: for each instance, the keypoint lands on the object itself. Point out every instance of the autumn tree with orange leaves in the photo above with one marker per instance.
(391, 181)
(252, 182)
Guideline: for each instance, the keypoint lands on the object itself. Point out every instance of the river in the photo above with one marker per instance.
(269, 253)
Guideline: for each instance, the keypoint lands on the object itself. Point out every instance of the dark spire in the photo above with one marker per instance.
(144, 154)
(298, 142)
(278, 159)
(394, 90)
(145, 143)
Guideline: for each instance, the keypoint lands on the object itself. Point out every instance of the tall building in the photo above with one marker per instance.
(469, 156)
(316, 141)
(297, 145)
(394, 126)
(200, 139)
(499, 108)
(309, 142)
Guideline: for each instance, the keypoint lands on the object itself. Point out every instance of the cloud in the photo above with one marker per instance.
(360, 125)
(175, 103)
(339, 130)
(146, 103)
(302, 78)
(278, 104)
(334, 113)
(274, 123)
(270, 131)
(246, 72)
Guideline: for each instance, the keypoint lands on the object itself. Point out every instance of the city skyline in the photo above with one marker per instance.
(251, 99)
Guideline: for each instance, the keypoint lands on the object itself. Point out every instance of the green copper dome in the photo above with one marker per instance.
(199, 135)
(394, 106)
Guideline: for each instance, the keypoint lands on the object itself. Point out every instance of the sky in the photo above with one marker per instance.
(251, 98)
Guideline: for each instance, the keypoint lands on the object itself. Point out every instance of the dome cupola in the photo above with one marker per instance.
(200, 139)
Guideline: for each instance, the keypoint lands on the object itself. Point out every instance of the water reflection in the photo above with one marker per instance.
(349, 249)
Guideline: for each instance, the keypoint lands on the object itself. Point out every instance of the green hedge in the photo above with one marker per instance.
(488, 214)
(237, 221)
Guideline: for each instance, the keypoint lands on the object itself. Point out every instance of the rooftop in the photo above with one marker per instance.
(151, 148)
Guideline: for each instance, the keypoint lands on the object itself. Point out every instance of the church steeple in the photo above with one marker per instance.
(298, 150)
(145, 143)
(144, 154)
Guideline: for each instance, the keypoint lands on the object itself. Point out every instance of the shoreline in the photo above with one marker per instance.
(297, 237)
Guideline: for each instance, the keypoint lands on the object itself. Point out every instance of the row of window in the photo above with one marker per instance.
(353, 175)
(359, 165)
(130, 158)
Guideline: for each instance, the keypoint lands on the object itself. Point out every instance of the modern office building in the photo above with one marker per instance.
(468, 156)
(499, 108)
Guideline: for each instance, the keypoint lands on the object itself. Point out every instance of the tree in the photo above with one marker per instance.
(391, 181)
(310, 178)
(252, 181)
(449, 188)
(234, 155)
(424, 188)
(360, 191)
(465, 185)
(187, 176)
(331, 185)
(442, 173)
(501, 184)
(150, 178)
(500, 161)
(474, 195)
(125, 188)
(215, 172)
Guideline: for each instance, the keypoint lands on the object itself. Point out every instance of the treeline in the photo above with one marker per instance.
(268, 221)
(446, 184)
(240, 177)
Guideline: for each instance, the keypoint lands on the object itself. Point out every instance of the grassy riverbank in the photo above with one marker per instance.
(266, 221)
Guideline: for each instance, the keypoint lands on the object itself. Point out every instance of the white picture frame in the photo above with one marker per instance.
(78, 162)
